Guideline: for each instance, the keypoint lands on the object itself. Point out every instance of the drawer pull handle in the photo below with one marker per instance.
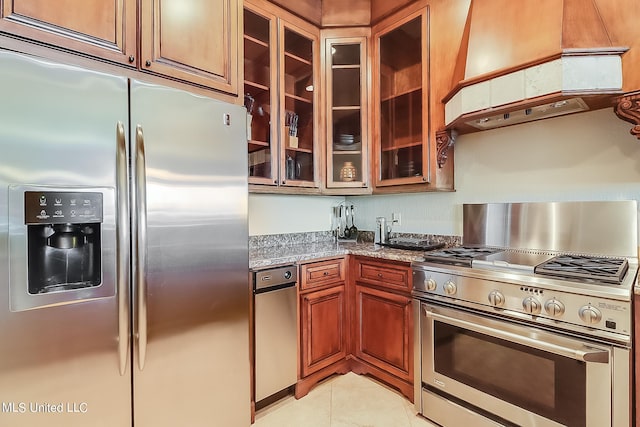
(326, 273)
(380, 275)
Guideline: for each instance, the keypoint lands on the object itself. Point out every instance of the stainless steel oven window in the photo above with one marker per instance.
(606, 371)
(541, 382)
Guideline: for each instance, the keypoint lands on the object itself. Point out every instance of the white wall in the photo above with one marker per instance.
(588, 156)
(279, 214)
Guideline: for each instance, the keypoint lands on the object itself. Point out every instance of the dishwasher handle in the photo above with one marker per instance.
(274, 288)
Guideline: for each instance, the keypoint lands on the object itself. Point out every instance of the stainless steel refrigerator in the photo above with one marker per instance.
(123, 252)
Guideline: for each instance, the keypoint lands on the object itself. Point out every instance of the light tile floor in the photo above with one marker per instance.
(349, 400)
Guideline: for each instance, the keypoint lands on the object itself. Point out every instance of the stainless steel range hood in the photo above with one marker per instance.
(533, 59)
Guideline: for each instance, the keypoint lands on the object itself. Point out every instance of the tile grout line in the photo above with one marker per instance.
(331, 405)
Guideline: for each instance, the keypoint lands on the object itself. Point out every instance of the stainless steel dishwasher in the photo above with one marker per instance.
(275, 318)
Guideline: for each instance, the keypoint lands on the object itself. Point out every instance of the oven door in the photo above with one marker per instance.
(512, 372)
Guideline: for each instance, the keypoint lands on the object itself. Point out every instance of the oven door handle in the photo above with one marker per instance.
(540, 340)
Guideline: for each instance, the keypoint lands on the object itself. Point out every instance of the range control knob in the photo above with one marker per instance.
(590, 314)
(554, 307)
(531, 305)
(496, 298)
(430, 284)
(450, 287)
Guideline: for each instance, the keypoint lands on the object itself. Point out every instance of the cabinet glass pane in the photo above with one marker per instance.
(346, 114)
(346, 54)
(346, 87)
(401, 101)
(257, 91)
(298, 106)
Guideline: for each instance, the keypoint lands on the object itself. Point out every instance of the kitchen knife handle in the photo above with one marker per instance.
(141, 246)
(122, 244)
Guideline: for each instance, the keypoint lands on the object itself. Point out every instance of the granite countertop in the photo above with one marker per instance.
(296, 253)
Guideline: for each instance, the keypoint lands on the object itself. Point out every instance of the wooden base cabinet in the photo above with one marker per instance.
(360, 321)
(382, 322)
(382, 337)
(323, 323)
(322, 329)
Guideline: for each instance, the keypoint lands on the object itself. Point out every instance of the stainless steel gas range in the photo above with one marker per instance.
(529, 323)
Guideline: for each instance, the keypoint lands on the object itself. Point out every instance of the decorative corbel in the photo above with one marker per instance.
(444, 139)
(628, 109)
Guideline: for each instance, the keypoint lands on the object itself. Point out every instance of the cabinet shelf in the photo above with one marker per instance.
(297, 58)
(255, 145)
(298, 98)
(399, 94)
(346, 108)
(256, 41)
(300, 150)
(256, 85)
(346, 67)
(401, 146)
(347, 152)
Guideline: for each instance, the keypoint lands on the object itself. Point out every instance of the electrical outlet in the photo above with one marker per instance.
(396, 218)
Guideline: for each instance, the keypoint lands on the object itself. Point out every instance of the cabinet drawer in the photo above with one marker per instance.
(386, 274)
(322, 273)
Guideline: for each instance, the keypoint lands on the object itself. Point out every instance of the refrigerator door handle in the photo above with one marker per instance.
(122, 244)
(141, 245)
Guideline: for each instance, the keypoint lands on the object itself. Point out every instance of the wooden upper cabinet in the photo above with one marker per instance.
(346, 112)
(261, 95)
(281, 76)
(99, 28)
(401, 101)
(192, 40)
(298, 104)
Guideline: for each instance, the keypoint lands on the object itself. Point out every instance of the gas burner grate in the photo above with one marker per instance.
(459, 255)
(584, 267)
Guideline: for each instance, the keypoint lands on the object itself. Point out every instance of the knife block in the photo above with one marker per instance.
(290, 141)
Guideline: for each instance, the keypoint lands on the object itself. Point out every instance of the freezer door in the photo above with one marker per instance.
(190, 266)
(60, 363)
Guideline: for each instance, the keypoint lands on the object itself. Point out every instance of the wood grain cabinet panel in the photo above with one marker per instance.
(384, 274)
(192, 40)
(322, 273)
(383, 336)
(323, 329)
(98, 28)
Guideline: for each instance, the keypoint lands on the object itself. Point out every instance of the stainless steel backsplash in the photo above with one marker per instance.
(601, 227)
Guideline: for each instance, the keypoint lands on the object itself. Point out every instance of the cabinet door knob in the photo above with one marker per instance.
(131, 58)
(148, 63)
(326, 273)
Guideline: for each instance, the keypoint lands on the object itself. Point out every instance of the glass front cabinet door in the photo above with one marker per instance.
(345, 68)
(298, 100)
(401, 102)
(280, 94)
(260, 96)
